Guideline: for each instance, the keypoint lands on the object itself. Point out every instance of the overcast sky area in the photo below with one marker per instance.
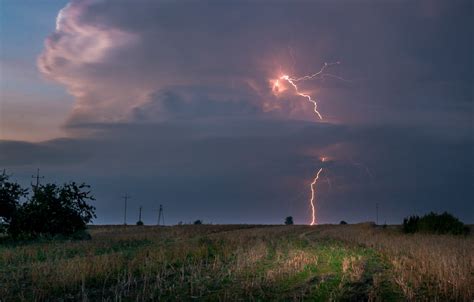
(174, 103)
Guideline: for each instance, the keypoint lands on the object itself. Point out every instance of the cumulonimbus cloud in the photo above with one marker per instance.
(77, 53)
(113, 62)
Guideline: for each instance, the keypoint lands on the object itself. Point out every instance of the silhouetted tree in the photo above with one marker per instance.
(342, 222)
(139, 222)
(289, 220)
(10, 195)
(435, 223)
(54, 210)
(199, 221)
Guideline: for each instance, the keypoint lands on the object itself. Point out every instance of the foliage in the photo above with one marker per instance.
(289, 220)
(435, 223)
(139, 222)
(53, 210)
(199, 221)
(10, 195)
(342, 222)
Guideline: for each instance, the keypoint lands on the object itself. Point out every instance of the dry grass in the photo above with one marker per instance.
(235, 262)
(425, 267)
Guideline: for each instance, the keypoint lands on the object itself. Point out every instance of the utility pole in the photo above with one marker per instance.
(140, 214)
(377, 212)
(38, 177)
(126, 197)
(161, 216)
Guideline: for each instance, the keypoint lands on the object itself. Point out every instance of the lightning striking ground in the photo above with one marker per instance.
(320, 75)
(313, 197)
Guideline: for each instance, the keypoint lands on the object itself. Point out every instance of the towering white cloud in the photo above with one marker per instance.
(76, 55)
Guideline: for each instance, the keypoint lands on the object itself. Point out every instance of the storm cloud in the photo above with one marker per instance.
(174, 105)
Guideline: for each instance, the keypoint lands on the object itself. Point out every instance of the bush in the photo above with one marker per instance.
(10, 195)
(342, 222)
(198, 221)
(139, 222)
(53, 211)
(435, 223)
(289, 220)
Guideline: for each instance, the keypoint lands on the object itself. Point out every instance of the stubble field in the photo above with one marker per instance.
(241, 263)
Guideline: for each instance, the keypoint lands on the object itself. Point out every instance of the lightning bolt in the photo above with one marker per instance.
(307, 96)
(313, 196)
(321, 74)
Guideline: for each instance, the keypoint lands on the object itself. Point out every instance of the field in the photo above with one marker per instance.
(241, 263)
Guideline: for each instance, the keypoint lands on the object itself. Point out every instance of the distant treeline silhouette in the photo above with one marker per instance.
(50, 211)
(435, 223)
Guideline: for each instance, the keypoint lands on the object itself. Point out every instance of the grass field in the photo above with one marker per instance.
(241, 263)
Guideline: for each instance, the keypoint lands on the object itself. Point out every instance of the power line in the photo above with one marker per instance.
(377, 212)
(38, 177)
(161, 216)
(126, 197)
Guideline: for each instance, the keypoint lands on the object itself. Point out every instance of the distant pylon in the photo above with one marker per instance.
(377, 213)
(126, 197)
(38, 177)
(161, 216)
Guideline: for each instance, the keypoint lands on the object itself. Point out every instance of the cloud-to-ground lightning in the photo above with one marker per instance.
(321, 74)
(313, 197)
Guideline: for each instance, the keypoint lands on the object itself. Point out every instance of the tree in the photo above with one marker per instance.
(289, 220)
(54, 210)
(10, 195)
(435, 223)
(199, 221)
(139, 222)
(342, 222)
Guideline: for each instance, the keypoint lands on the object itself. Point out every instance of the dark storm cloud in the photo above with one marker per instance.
(197, 102)
(260, 170)
(174, 106)
(187, 165)
(407, 60)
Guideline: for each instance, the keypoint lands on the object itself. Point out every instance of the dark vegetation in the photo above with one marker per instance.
(435, 223)
(51, 210)
(289, 220)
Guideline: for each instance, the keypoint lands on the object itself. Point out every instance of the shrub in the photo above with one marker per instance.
(53, 211)
(10, 195)
(342, 222)
(139, 222)
(289, 220)
(199, 221)
(435, 223)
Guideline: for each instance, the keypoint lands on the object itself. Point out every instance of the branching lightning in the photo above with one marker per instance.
(321, 74)
(292, 81)
(313, 197)
(307, 96)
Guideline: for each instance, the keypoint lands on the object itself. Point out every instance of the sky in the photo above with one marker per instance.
(175, 103)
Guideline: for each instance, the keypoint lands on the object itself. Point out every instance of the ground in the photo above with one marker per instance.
(241, 263)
